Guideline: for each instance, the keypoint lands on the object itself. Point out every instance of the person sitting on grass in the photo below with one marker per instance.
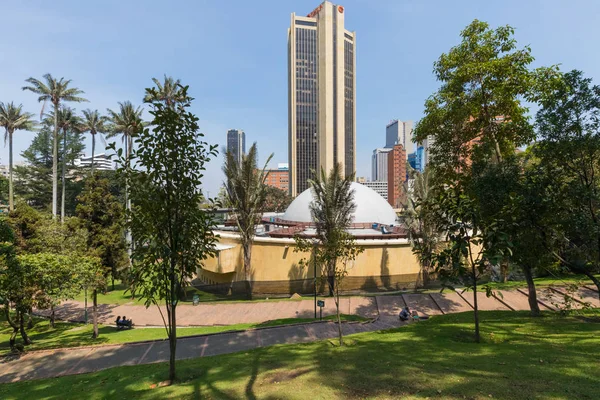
(405, 314)
(118, 320)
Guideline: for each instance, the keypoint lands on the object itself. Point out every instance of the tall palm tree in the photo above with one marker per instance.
(332, 210)
(127, 122)
(67, 120)
(54, 91)
(13, 118)
(95, 124)
(246, 192)
(168, 92)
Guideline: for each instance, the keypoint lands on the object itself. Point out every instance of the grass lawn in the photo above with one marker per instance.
(545, 281)
(73, 335)
(520, 358)
(120, 296)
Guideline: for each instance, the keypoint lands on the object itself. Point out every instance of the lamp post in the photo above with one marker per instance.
(315, 273)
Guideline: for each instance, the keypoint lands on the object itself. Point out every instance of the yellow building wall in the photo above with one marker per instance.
(383, 264)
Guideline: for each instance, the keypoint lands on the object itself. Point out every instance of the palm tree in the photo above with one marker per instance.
(419, 220)
(94, 123)
(67, 120)
(332, 211)
(13, 118)
(169, 92)
(55, 91)
(127, 122)
(246, 191)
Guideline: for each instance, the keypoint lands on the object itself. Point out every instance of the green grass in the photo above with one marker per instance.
(519, 358)
(543, 282)
(67, 334)
(122, 296)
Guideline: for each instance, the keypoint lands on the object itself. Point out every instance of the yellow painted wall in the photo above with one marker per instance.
(275, 260)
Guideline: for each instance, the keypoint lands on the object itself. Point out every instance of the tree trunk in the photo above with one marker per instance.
(95, 314)
(247, 267)
(26, 340)
(55, 163)
(30, 319)
(52, 316)
(11, 200)
(475, 308)
(64, 166)
(339, 319)
(593, 279)
(172, 343)
(93, 149)
(504, 271)
(533, 303)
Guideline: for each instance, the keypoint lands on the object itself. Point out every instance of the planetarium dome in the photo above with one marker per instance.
(370, 207)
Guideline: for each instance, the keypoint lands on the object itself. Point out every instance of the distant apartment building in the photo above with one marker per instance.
(102, 162)
(379, 164)
(400, 132)
(236, 143)
(396, 174)
(381, 187)
(361, 179)
(321, 95)
(279, 178)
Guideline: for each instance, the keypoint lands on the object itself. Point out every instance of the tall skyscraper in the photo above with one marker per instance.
(379, 164)
(396, 174)
(399, 132)
(321, 94)
(236, 143)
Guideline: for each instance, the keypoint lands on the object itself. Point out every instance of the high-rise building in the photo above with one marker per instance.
(379, 164)
(399, 132)
(321, 94)
(102, 162)
(381, 187)
(396, 174)
(279, 177)
(236, 143)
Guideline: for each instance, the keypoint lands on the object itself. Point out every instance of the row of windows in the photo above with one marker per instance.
(306, 105)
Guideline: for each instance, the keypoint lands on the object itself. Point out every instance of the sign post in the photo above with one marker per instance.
(321, 304)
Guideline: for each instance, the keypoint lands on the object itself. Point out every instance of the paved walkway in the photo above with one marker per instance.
(385, 309)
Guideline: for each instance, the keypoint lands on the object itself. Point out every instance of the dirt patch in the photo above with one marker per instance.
(283, 376)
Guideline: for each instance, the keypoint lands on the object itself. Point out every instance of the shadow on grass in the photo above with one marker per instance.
(519, 357)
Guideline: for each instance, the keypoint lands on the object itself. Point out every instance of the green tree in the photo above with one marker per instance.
(276, 200)
(472, 246)
(56, 92)
(169, 92)
(172, 233)
(478, 112)
(95, 124)
(68, 122)
(420, 220)
(569, 149)
(332, 212)
(246, 192)
(102, 216)
(34, 182)
(13, 118)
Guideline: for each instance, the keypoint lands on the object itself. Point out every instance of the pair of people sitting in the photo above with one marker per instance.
(123, 321)
(405, 314)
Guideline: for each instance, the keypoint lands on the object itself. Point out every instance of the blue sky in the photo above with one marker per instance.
(232, 53)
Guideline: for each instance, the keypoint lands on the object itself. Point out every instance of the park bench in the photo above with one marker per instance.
(123, 324)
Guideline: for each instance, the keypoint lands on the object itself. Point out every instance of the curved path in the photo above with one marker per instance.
(53, 363)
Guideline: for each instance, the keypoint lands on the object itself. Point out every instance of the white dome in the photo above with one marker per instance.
(370, 207)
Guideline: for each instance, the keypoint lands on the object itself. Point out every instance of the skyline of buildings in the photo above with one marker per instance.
(399, 132)
(236, 143)
(321, 95)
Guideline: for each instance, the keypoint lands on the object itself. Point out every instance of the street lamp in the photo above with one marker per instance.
(85, 305)
(315, 241)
